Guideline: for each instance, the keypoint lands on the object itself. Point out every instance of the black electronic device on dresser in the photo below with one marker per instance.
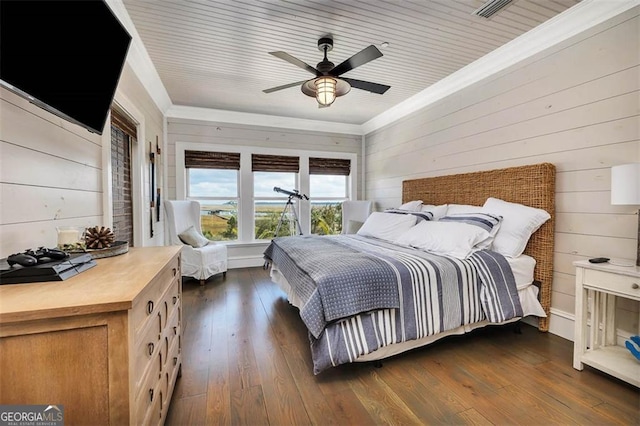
(42, 265)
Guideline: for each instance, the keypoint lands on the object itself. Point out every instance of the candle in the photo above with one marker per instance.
(68, 236)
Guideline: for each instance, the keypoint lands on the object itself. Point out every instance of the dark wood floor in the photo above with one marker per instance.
(246, 360)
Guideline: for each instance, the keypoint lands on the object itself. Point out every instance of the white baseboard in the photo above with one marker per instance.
(237, 262)
(562, 324)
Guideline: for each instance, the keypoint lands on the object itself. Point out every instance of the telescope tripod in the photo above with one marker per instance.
(296, 222)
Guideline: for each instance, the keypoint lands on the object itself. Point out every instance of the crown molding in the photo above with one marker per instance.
(223, 116)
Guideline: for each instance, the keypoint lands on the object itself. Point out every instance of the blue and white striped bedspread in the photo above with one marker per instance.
(360, 294)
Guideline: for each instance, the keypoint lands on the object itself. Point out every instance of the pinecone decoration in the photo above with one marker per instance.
(99, 237)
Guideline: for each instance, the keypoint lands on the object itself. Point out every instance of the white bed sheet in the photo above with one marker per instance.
(522, 267)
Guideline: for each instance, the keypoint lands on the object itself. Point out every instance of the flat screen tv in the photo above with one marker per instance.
(64, 56)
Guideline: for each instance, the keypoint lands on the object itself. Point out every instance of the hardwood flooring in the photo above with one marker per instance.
(246, 360)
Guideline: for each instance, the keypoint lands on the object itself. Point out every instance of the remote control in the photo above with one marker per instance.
(32, 257)
(21, 259)
(46, 253)
(599, 260)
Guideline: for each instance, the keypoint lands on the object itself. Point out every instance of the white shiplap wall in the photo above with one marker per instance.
(50, 175)
(52, 172)
(576, 105)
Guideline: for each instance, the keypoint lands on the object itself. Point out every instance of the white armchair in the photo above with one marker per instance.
(201, 258)
(354, 213)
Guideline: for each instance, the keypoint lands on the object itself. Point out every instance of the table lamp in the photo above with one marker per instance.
(625, 190)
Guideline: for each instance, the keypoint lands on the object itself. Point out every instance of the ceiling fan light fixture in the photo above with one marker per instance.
(325, 90)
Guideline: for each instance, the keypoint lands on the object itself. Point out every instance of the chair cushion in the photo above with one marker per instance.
(193, 238)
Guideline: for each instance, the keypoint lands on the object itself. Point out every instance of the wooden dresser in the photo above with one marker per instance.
(104, 344)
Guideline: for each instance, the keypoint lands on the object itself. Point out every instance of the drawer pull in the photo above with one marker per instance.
(149, 307)
(175, 330)
(175, 299)
(151, 347)
(635, 286)
(175, 271)
(151, 395)
(175, 360)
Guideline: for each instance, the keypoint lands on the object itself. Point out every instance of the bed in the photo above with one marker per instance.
(386, 289)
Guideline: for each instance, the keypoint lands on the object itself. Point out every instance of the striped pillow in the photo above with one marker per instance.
(486, 221)
(419, 214)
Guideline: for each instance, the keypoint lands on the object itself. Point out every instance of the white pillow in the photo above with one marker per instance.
(413, 206)
(437, 211)
(462, 208)
(519, 222)
(193, 238)
(488, 221)
(386, 226)
(445, 238)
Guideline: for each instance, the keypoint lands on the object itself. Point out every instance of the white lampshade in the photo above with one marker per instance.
(625, 184)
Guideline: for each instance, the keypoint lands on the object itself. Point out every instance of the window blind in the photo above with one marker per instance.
(329, 166)
(212, 160)
(123, 123)
(274, 163)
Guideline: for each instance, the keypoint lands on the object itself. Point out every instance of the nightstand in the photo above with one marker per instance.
(597, 286)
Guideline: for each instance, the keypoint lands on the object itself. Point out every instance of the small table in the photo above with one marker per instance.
(597, 287)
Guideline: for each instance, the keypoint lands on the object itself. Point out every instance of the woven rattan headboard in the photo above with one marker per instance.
(532, 186)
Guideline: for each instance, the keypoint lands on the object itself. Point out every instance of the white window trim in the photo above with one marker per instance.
(245, 180)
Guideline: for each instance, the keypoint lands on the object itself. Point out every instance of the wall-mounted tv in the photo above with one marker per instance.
(64, 56)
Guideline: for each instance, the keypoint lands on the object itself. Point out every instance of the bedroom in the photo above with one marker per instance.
(585, 122)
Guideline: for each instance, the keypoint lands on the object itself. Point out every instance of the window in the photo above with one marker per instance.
(328, 188)
(213, 181)
(123, 138)
(271, 172)
(235, 186)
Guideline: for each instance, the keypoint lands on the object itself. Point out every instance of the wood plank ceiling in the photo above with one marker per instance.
(214, 53)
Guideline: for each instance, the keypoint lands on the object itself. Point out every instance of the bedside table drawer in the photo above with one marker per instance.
(616, 284)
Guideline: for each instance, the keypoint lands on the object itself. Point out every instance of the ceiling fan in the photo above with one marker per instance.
(328, 83)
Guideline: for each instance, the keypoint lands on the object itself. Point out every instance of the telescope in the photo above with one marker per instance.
(293, 193)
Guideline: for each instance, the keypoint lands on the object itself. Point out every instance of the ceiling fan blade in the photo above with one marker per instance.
(285, 86)
(297, 62)
(365, 55)
(366, 85)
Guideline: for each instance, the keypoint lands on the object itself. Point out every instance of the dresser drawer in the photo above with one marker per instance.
(149, 300)
(150, 409)
(172, 330)
(170, 301)
(147, 348)
(622, 285)
(173, 361)
(149, 391)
